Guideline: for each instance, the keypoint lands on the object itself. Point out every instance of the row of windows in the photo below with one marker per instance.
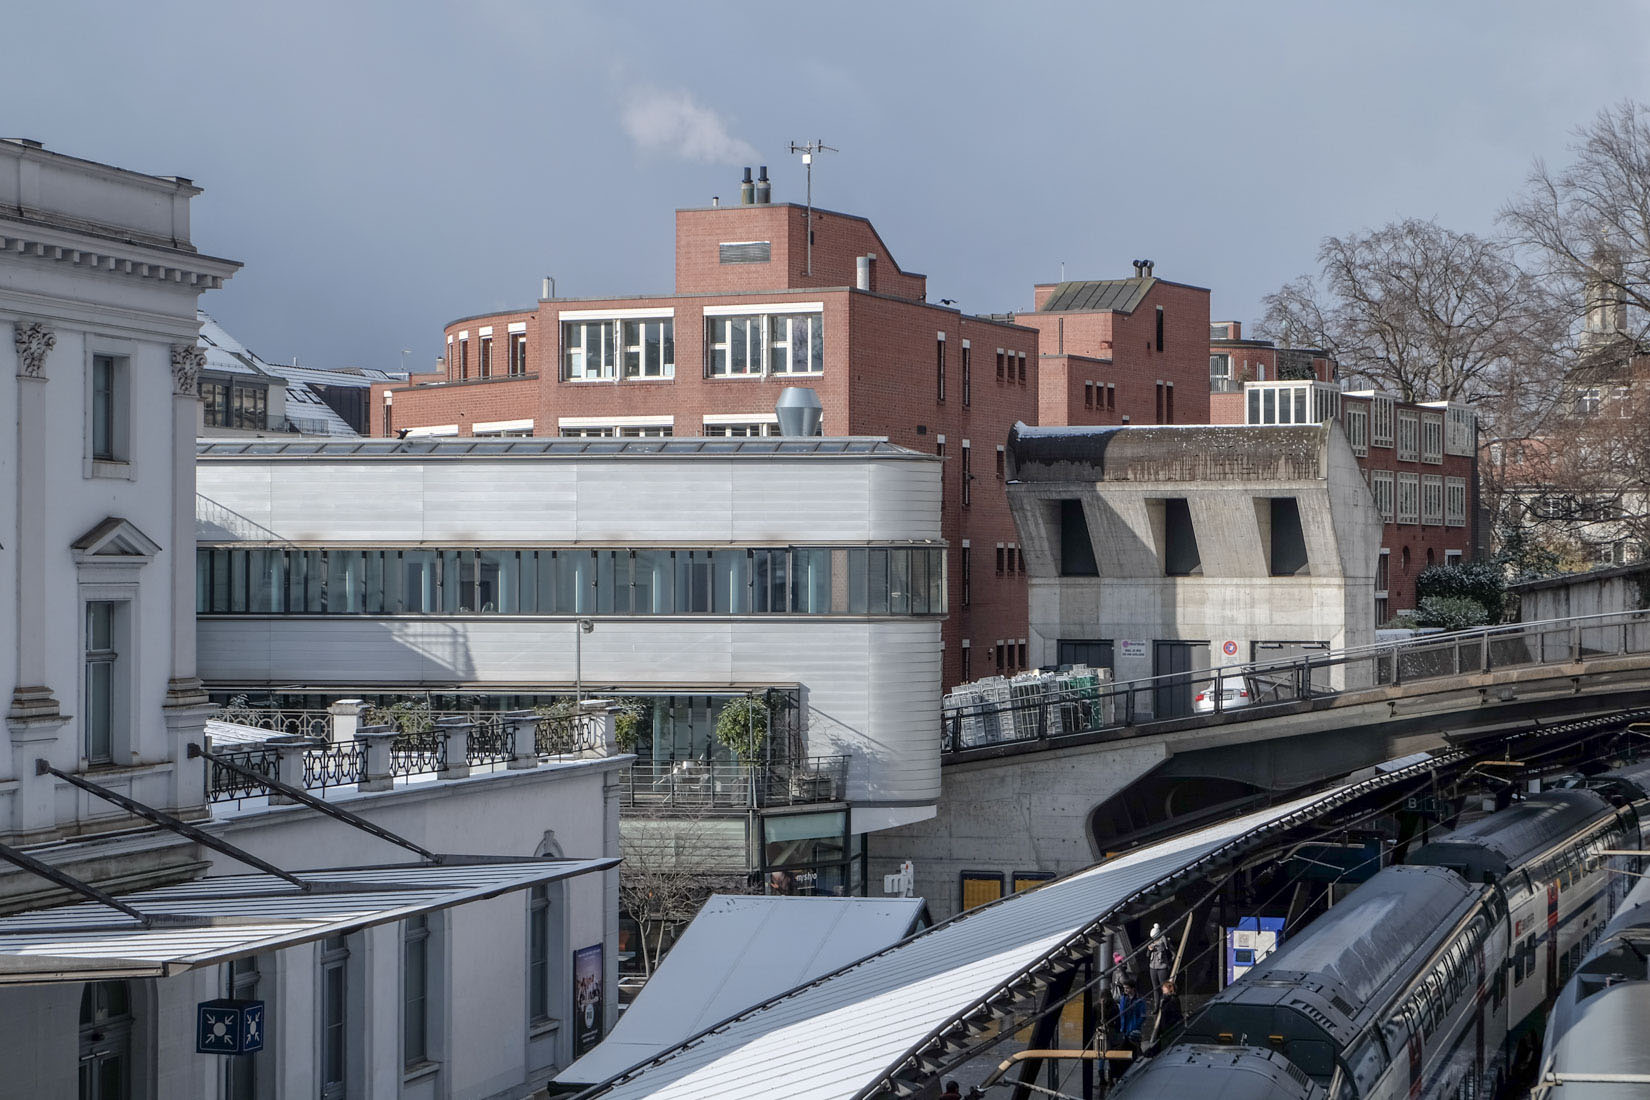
(897, 580)
(515, 362)
(1100, 395)
(1428, 499)
(234, 403)
(737, 346)
(1008, 655)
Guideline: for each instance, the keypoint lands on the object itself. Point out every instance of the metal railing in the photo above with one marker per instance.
(714, 784)
(1024, 716)
(313, 724)
(226, 785)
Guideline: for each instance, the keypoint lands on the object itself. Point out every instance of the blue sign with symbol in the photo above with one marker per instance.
(229, 1027)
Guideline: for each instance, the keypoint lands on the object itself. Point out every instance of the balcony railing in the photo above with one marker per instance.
(1033, 708)
(723, 785)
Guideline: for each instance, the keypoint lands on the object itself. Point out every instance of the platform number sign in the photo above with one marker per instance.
(229, 1027)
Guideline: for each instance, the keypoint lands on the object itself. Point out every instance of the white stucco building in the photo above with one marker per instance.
(447, 936)
(1161, 551)
(807, 571)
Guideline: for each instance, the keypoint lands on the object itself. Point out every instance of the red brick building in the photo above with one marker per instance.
(1420, 459)
(1121, 351)
(752, 313)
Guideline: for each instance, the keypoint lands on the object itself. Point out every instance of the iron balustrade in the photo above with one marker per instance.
(563, 735)
(492, 740)
(226, 785)
(316, 725)
(727, 785)
(1026, 711)
(338, 765)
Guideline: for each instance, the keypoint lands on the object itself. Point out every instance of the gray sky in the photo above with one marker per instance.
(382, 168)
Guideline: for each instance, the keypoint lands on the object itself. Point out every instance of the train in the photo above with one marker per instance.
(1600, 1023)
(1430, 979)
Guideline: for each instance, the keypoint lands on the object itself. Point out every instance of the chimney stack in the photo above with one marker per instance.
(865, 271)
(1139, 269)
(799, 411)
(747, 190)
(764, 190)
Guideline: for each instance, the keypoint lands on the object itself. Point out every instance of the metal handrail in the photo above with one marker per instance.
(1026, 716)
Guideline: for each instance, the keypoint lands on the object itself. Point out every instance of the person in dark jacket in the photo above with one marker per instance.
(951, 1092)
(1169, 1016)
(1131, 1014)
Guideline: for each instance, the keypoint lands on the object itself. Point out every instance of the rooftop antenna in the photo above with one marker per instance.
(808, 150)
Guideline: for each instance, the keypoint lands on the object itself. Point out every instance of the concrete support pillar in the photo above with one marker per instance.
(608, 728)
(187, 706)
(345, 720)
(377, 772)
(525, 726)
(455, 738)
(289, 765)
(32, 697)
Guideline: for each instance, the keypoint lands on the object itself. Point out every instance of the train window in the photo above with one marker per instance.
(1366, 1063)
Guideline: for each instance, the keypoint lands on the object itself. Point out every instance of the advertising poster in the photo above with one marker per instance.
(587, 998)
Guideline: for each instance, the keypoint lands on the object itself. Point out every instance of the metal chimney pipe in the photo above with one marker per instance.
(549, 287)
(747, 190)
(764, 189)
(862, 272)
(799, 411)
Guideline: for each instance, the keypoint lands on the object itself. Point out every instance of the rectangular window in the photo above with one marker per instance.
(1013, 552)
(1220, 373)
(1076, 546)
(796, 344)
(1383, 572)
(967, 374)
(1409, 498)
(415, 991)
(588, 351)
(1455, 502)
(735, 345)
(518, 353)
(1088, 395)
(1357, 429)
(1000, 357)
(108, 427)
(334, 1016)
(485, 363)
(967, 488)
(1180, 552)
(1380, 421)
(1288, 540)
(1159, 328)
(1160, 403)
(650, 348)
(1020, 357)
(1168, 401)
(463, 359)
(1459, 429)
(967, 661)
(102, 666)
(1002, 462)
(1000, 659)
(241, 1073)
(1432, 499)
(249, 406)
(967, 581)
(1408, 435)
(1432, 437)
(1380, 486)
(215, 402)
(538, 955)
(1111, 397)
(939, 368)
(1002, 557)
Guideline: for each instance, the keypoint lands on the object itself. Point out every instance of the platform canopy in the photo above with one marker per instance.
(211, 920)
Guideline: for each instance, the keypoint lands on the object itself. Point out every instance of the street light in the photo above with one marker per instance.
(581, 628)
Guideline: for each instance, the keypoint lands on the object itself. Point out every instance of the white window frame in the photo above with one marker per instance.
(781, 331)
(1460, 430)
(1407, 435)
(576, 357)
(1381, 488)
(417, 931)
(1380, 421)
(1432, 499)
(774, 330)
(722, 340)
(635, 355)
(1432, 438)
(1455, 502)
(1407, 489)
(739, 425)
(117, 461)
(1357, 429)
(329, 958)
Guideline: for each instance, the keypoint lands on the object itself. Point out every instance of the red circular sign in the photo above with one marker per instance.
(1229, 648)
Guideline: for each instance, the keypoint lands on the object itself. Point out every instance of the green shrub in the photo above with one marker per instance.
(1450, 612)
(1482, 582)
(742, 728)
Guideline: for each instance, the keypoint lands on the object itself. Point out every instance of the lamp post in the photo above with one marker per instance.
(581, 627)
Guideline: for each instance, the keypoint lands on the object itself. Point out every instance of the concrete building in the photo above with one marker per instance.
(1120, 351)
(757, 307)
(152, 919)
(1419, 459)
(1162, 551)
(679, 575)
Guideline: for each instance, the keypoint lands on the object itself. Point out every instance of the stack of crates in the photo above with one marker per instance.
(995, 724)
(1032, 692)
(1079, 690)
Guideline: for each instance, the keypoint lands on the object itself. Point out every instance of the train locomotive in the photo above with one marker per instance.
(1430, 978)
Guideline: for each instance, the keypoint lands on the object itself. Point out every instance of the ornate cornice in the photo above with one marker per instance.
(33, 340)
(187, 361)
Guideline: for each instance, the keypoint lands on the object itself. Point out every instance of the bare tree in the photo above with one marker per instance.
(670, 867)
(1423, 312)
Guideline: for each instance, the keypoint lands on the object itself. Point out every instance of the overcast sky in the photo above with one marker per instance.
(383, 168)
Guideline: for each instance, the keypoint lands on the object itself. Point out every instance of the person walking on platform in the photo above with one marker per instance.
(1157, 958)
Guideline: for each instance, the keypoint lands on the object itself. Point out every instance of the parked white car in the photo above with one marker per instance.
(1234, 692)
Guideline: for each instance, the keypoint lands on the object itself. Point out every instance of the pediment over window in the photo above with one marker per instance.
(115, 541)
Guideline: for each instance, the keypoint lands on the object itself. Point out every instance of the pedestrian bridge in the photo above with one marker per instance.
(1048, 783)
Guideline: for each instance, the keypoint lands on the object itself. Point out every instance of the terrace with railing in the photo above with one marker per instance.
(1037, 707)
(694, 785)
(352, 745)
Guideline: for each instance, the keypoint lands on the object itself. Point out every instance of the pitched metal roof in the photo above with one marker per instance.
(845, 1034)
(210, 920)
(1097, 296)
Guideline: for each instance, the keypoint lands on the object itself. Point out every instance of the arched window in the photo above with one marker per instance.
(106, 1041)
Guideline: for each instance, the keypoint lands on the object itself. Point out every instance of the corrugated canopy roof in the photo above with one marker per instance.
(1097, 296)
(210, 920)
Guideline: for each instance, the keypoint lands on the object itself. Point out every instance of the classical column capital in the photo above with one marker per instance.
(187, 361)
(33, 340)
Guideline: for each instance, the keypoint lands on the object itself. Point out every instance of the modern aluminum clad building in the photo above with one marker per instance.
(680, 572)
